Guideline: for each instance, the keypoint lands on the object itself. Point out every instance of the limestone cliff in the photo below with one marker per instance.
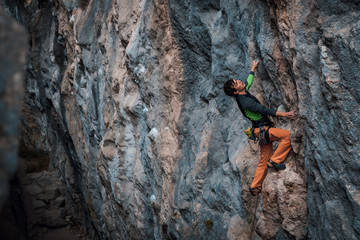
(125, 97)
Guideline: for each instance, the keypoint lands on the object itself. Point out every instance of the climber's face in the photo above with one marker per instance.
(238, 85)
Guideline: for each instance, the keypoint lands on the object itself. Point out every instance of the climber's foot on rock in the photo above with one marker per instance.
(255, 191)
(277, 166)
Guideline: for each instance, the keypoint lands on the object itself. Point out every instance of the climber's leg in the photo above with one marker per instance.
(261, 170)
(282, 135)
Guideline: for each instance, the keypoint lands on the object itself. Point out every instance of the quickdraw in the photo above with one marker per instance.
(250, 133)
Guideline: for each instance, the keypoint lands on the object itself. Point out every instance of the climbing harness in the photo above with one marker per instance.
(264, 137)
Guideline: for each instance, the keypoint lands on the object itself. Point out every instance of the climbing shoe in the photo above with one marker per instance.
(255, 191)
(277, 166)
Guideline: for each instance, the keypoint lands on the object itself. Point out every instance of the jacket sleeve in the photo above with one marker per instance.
(249, 81)
(257, 107)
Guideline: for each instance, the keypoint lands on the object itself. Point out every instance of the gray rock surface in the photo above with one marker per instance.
(126, 98)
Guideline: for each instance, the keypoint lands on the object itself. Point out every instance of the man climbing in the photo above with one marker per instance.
(262, 127)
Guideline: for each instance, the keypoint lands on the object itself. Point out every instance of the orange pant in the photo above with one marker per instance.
(275, 134)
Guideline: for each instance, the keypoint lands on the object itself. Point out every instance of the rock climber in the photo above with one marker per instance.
(262, 127)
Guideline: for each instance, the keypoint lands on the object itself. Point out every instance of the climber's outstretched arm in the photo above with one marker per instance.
(254, 65)
(250, 78)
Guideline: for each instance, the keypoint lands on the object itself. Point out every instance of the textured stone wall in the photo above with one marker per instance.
(13, 47)
(126, 99)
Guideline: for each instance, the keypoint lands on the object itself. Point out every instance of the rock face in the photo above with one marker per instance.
(48, 213)
(126, 99)
(13, 39)
(13, 48)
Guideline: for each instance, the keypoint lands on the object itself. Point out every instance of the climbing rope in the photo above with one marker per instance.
(254, 217)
